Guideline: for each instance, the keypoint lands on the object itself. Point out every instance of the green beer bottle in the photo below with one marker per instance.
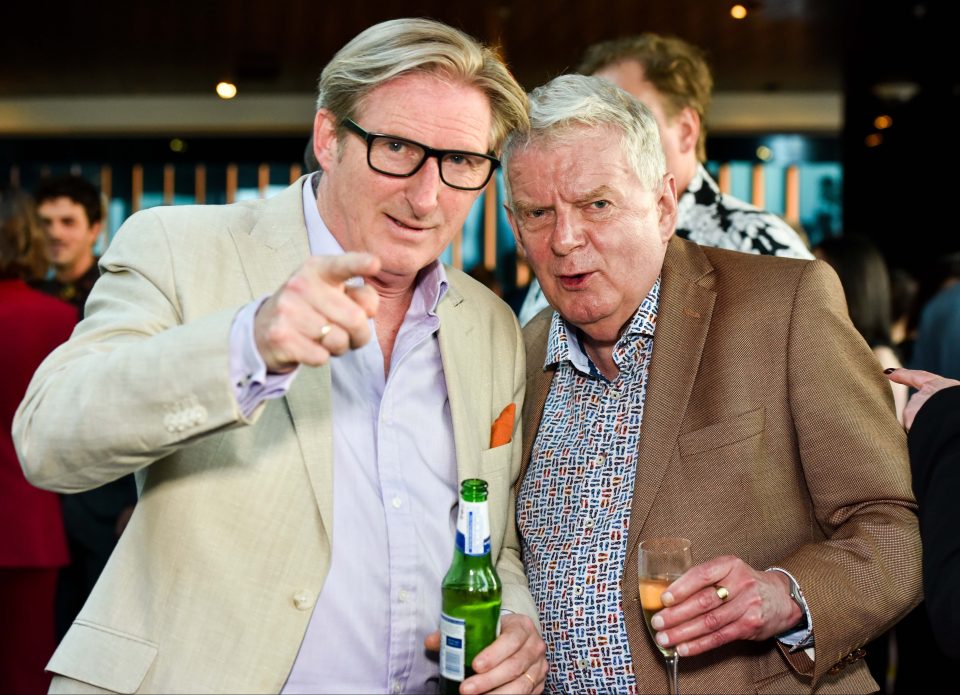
(470, 617)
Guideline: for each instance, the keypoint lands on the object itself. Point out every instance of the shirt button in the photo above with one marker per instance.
(589, 523)
(578, 590)
(397, 503)
(303, 600)
(600, 460)
(403, 596)
(583, 663)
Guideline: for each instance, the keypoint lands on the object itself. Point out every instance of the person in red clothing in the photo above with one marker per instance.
(32, 542)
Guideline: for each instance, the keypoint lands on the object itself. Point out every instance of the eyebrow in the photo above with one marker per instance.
(598, 192)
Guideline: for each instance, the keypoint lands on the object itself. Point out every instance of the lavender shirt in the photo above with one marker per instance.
(395, 497)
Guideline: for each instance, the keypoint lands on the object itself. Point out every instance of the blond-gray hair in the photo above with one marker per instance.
(678, 70)
(401, 46)
(563, 107)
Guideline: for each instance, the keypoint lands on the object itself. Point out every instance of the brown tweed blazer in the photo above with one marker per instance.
(768, 433)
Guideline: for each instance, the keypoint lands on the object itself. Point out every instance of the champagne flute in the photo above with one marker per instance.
(661, 561)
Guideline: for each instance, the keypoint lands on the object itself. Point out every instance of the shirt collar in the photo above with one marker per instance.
(701, 179)
(564, 341)
(432, 281)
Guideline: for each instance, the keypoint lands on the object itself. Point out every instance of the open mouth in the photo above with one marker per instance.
(574, 281)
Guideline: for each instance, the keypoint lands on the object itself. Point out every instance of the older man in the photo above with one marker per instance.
(680, 390)
(672, 78)
(297, 512)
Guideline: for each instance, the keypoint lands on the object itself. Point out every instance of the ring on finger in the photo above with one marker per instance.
(324, 331)
(530, 678)
(722, 593)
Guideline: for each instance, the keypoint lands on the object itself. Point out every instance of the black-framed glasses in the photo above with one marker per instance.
(400, 157)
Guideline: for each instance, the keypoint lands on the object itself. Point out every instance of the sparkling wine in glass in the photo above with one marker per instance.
(661, 561)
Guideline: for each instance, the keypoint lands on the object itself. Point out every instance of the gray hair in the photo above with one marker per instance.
(399, 46)
(563, 107)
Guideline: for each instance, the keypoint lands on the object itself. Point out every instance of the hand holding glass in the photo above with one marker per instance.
(661, 562)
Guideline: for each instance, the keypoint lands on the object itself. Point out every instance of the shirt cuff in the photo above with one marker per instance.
(248, 372)
(800, 636)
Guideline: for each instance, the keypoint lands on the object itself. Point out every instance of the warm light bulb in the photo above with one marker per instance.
(882, 122)
(764, 153)
(874, 139)
(738, 11)
(226, 90)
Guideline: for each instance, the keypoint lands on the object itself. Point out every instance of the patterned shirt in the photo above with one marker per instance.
(711, 218)
(574, 505)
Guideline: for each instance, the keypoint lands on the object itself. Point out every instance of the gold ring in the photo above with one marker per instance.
(722, 593)
(530, 678)
(324, 330)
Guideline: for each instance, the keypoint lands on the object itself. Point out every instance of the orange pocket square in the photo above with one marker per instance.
(501, 431)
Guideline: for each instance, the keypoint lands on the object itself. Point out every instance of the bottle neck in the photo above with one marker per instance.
(473, 528)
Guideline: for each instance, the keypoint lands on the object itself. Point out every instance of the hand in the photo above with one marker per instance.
(514, 663)
(926, 384)
(315, 314)
(697, 620)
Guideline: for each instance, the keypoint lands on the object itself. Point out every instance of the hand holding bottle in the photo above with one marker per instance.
(514, 663)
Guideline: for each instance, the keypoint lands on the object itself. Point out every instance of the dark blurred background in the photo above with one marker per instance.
(126, 83)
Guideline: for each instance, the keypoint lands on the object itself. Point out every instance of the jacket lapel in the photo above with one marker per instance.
(457, 323)
(270, 253)
(683, 319)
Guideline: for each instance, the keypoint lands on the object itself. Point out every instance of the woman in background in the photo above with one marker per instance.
(32, 542)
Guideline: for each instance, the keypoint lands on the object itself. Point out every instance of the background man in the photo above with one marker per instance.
(297, 512)
(669, 395)
(71, 212)
(672, 78)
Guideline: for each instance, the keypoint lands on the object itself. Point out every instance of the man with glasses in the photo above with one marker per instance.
(297, 512)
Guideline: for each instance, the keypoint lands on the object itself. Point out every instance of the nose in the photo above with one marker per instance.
(567, 235)
(423, 188)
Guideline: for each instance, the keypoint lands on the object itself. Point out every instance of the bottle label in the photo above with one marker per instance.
(452, 635)
(473, 528)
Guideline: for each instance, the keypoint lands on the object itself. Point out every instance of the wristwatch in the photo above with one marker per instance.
(804, 624)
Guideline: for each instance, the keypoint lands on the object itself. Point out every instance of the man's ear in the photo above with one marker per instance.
(95, 230)
(325, 141)
(516, 234)
(688, 129)
(667, 206)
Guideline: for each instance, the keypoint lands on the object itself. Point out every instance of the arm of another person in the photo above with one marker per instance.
(934, 421)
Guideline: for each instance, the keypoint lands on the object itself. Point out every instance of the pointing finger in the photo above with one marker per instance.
(341, 268)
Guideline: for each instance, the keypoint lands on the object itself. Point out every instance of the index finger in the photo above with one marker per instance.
(912, 377)
(696, 578)
(352, 264)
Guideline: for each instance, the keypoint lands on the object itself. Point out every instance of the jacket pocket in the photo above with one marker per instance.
(721, 434)
(103, 657)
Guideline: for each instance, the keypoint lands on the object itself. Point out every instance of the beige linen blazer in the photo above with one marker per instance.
(213, 582)
(768, 433)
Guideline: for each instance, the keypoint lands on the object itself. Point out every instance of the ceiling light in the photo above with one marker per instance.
(882, 122)
(226, 90)
(738, 11)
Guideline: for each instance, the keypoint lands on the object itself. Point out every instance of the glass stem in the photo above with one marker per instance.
(672, 675)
